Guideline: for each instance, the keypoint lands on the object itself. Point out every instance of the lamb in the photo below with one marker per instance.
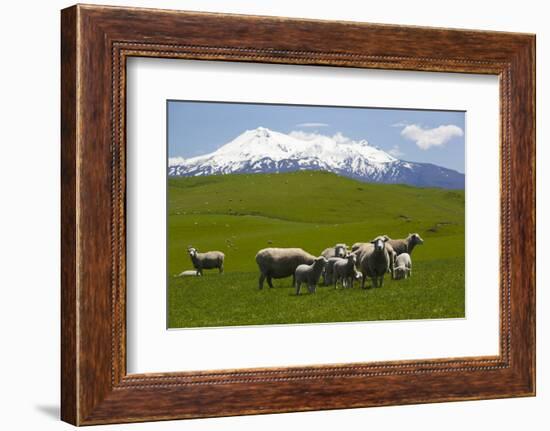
(280, 263)
(339, 250)
(207, 260)
(373, 261)
(403, 266)
(344, 271)
(309, 274)
(328, 273)
(406, 245)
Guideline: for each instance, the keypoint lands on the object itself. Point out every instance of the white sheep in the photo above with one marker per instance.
(309, 274)
(403, 266)
(207, 260)
(389, 248)
(373, 261)
(328, 273)
(406, 245)
(344, 271)
(188, 273)
(280, 263)
(339, 250)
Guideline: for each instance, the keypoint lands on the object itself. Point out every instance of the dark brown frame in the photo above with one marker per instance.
(95, 43)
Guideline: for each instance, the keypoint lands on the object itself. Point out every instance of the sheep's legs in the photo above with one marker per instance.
(261, 281)
(298, 288)
(221, 269)
(269, 283)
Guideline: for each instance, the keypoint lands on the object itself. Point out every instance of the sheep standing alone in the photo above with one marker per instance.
(280, 263)
(403, 266)
(344, 271)
(188, 273)
(373, 261)
(406, 245)
(207, 260)
(309, 274)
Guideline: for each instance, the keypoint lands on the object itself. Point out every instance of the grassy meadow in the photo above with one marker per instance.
(241, 214)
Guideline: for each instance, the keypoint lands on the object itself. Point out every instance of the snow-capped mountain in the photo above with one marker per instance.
(265, 151)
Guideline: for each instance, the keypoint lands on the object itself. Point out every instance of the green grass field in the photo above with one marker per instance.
(241, 214)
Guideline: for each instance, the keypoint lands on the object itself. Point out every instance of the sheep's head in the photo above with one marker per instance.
(379, 243)
(352, 257)
(192, 251)
(320, 261)
(415, 239)
(399, 272)
(340, 250)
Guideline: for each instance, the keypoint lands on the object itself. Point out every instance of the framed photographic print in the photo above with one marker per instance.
(258, 216)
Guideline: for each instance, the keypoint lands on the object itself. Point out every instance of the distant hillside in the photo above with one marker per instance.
(240, 214)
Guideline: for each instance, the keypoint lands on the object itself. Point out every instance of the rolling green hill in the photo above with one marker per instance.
(241, 214)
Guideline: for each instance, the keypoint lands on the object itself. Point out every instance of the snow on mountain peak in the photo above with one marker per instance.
(300, 149)
(262, 150)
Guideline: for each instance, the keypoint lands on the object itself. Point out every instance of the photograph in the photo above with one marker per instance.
(297, 214)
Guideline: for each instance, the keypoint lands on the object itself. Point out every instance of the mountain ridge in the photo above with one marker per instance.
(262, 150)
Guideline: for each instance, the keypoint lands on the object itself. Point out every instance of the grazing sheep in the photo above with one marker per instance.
(403, 266)
(339, 250)
(280, 263)
(309, 274)
(344, 271)
(373, 261)
(401, 272)
(188, 273)
(328, 273)
(406, 245)
(207, 260)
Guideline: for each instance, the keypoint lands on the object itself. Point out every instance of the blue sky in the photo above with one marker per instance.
(438, 137)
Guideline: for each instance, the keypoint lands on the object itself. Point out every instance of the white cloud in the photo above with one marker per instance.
(338, 137)
(426, 138)
(304, 136)
(312, 125)
(396, 152)
(400, 124)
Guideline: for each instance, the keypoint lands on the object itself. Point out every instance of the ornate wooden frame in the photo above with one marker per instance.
(95, 43)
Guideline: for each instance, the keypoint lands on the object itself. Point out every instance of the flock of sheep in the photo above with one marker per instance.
(335, 265)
